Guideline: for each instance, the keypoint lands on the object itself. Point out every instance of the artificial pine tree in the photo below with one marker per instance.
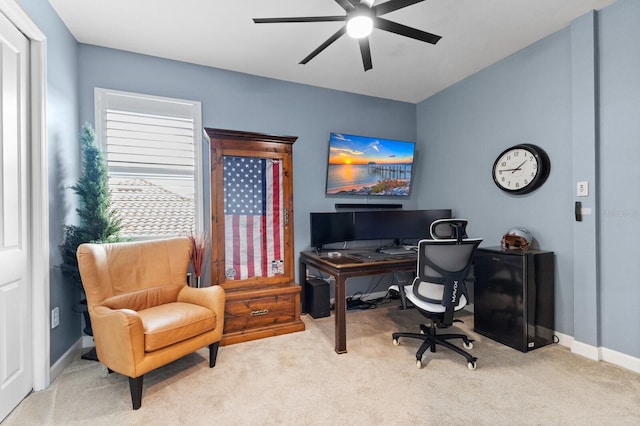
(98, 223)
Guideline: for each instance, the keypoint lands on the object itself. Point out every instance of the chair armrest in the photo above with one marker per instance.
(119, 338)
(209, 297)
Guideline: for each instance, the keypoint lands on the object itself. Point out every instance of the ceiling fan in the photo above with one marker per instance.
(361, 18)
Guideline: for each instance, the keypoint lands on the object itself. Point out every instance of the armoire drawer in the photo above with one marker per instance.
(259, 312)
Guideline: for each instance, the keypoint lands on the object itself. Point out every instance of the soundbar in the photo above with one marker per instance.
(367, 206)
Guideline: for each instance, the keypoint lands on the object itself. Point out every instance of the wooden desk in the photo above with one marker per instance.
(351, 263)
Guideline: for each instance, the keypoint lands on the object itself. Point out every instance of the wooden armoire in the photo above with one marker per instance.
(252, 254)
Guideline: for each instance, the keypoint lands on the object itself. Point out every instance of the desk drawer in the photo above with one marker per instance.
(241, 315)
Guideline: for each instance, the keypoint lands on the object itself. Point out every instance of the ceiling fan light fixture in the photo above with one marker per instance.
(360, 26)
(360, 19)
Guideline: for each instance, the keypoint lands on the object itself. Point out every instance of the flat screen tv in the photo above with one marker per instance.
(361, 165)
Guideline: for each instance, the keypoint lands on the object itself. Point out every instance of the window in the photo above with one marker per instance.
(153, 149)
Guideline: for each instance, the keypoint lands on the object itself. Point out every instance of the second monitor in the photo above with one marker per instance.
(396, 224)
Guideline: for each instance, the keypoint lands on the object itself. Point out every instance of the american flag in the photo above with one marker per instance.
(253, 208)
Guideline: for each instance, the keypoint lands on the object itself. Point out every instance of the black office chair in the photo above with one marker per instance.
(439, 288)
(440, 229)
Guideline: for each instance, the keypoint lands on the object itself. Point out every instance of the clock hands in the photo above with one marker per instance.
(519, 167)
(514, 170)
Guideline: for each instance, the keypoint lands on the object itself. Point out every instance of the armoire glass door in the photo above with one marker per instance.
(254, 216)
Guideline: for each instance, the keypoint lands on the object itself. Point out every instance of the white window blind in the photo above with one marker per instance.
(153, 150)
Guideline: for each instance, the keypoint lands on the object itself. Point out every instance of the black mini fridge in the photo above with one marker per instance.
(514, 296)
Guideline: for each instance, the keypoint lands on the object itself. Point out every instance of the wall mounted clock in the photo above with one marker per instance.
(521, 168)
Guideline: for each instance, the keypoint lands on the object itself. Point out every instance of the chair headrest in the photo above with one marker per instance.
(446, 229)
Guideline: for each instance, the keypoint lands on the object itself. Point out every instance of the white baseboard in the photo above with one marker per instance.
(564, 339)
(65, 360)
(623, 360)
(602, 354)
(587, 351)
(68, 357)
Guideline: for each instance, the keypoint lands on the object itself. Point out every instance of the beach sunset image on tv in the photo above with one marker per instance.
(361, 165)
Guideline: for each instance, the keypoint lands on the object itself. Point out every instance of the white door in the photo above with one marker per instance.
(16, 372)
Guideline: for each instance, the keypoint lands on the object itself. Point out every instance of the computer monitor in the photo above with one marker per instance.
(396, 224)
(327, 228)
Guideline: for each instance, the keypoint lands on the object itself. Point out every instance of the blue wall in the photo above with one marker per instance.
(525, 98)
(619, 187)
(537, 96)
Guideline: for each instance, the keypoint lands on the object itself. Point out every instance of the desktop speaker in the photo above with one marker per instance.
(316, 298)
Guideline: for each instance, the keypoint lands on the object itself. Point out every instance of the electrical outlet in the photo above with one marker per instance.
(55, 317)
(582, 189)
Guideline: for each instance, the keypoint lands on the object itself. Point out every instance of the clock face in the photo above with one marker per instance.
(521, 169)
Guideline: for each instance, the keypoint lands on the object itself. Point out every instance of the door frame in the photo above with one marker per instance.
(38, 193)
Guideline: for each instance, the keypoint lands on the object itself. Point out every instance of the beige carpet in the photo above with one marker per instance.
(298, 379)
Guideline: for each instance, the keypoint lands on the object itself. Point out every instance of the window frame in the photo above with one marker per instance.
(163, 106)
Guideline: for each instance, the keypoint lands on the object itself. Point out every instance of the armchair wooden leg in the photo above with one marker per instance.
(135, 386)
(213, 354)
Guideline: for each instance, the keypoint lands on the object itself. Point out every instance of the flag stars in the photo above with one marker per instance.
(243, 179)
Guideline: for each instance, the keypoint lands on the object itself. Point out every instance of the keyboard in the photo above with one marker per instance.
(366, 256)
(395, 251)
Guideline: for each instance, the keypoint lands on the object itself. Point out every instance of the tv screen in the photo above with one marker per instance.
(329, 228)
(396, 224)
(361, 165)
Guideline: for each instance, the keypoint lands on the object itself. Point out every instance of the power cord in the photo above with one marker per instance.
(356, 302)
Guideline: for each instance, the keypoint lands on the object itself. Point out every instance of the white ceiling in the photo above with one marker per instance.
(221, 34)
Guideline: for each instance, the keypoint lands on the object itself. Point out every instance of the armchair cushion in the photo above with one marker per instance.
(170, 323)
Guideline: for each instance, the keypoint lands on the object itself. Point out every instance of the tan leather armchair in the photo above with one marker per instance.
(142, 312)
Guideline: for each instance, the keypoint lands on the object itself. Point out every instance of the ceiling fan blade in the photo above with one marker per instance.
(324, 45)
(346, 4)
(365, 50)
(392, 5)
(403, 30)
(299, 19)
